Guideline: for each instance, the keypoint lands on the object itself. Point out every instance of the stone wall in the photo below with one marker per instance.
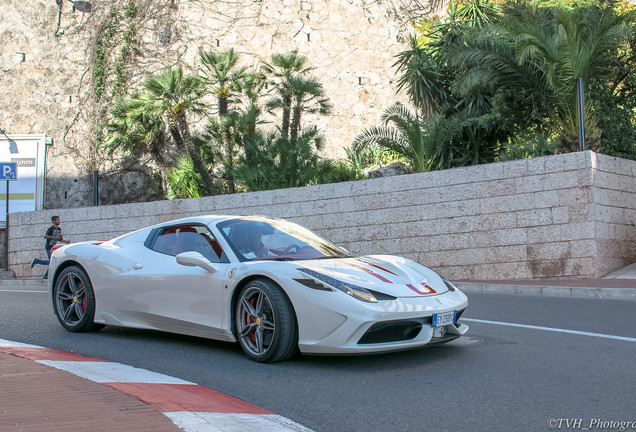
(564, 216)
(49, 59)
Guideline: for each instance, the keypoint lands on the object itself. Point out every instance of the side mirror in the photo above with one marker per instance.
(195, 259)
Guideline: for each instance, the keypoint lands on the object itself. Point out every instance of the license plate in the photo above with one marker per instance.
(444, 319)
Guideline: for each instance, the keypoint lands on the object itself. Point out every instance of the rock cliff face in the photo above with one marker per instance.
(61, 69)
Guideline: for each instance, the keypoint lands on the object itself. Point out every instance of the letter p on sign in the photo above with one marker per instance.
(8, 170)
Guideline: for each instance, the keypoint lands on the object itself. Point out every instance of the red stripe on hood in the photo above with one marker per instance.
(377, 266)
(366, 270)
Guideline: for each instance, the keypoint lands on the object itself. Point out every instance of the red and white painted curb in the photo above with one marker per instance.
(191, 407)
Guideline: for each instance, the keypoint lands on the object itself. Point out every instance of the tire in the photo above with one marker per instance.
(265, 322)
(74, 301)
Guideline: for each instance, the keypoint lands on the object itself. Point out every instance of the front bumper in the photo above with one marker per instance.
(399, 324)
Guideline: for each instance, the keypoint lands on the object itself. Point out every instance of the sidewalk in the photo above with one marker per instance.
(620, 284)
(50, 390)
(38, 398)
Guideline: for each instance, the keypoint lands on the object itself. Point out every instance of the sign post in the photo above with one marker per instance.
(8, 172)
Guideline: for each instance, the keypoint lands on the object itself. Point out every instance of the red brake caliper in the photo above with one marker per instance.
(250, 320)
(83, 300)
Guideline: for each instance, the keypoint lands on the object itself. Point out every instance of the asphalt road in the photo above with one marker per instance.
(499, 378)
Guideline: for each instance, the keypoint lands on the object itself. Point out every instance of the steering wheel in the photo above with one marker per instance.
(290, 248)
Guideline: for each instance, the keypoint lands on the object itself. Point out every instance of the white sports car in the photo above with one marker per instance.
(273, 286)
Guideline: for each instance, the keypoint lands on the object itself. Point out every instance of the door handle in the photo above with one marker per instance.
(137, 266)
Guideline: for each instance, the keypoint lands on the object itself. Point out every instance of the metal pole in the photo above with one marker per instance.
(96, 187)
(6, 242)
(580, 113)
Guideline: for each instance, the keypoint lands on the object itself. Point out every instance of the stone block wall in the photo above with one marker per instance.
(49, 63)
(564, 216)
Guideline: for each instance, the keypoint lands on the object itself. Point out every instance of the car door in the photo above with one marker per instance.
(178, 298)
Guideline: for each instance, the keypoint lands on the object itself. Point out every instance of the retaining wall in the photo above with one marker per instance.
(563, 216)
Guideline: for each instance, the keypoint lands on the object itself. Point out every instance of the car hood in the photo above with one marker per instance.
(394, 276)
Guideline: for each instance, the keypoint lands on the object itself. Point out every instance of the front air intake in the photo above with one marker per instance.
(391, 331)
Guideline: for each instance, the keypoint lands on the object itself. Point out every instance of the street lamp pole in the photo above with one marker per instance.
(580, 113)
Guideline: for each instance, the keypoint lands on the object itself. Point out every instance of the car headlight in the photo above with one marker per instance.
(354, 291)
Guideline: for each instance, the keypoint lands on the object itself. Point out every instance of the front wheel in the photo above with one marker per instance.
(74, 301)
(265, 322)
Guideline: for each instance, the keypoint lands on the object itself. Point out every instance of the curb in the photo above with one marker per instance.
(548, 290)
(189, 406)
(24, 282)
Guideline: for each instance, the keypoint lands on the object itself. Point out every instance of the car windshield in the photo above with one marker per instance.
(274, 239)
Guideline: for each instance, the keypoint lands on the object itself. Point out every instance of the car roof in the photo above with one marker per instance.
(207, 219)
(202, 219)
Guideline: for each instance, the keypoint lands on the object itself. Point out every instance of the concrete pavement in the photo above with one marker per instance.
(49, 390)
(620, 284)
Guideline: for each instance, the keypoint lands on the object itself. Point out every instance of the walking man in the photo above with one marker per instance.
(52, 236)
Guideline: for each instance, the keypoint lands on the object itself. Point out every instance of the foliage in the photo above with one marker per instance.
(614, 120)
(183, 181)
(278, 163)
(283, 69)
(528, 145)
(221, 73)
(509, 71)
(232, 153)
(423, 78)
(117, 36)
(368, 156)
(134, 130)
(336, 172)
(402, 132)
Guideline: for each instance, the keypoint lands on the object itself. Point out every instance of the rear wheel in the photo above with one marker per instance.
(74, 300)
(265, 322)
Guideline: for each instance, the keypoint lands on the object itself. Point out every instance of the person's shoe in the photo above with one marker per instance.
(33, 263)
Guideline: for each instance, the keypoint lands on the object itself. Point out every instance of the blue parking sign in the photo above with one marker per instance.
(8, 171)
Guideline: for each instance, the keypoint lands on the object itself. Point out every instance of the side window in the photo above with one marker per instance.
(185, 238)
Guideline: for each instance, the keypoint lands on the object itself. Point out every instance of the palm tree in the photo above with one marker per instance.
(279, 163)
(251, 87)
(171, 96)
(222, 74)
(134, 131)
(537, 54)
(402, 132)
(441, 141)
(284, 67)
(423, 78)
(137, 133)
(308, 96)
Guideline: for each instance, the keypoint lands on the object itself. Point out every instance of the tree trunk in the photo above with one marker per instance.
(295, 125)
(227, 144)
(286, 115)
(180, 131)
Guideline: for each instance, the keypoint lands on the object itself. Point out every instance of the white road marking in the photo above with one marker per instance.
(8, 343)
(552, 329)
(225, 422)
(107, 372)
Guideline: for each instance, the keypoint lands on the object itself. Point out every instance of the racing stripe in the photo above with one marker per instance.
(377, 266)
(366, 270)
